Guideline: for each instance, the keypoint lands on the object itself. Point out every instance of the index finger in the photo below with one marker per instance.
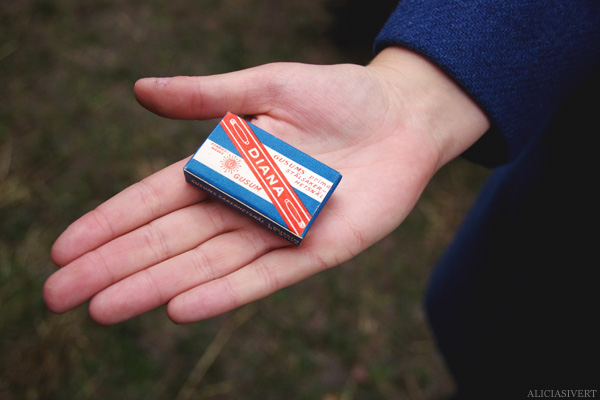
(155, 196)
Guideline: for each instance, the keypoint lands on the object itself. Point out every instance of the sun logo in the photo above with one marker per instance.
(230, 164)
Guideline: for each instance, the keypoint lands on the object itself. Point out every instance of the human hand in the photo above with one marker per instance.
(386, 127)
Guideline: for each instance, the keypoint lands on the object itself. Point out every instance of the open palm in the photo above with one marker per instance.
(387, 129)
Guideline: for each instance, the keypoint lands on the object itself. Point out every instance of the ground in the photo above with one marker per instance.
(72, 135)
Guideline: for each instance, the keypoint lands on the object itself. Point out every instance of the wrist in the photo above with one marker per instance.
(432, 103)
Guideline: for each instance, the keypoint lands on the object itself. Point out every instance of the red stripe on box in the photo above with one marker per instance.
(264, 168)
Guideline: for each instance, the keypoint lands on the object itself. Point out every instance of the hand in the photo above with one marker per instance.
(386, 127)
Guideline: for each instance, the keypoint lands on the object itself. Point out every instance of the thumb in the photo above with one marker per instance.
(247, 92)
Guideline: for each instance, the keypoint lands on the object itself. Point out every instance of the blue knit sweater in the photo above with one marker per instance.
(513, 303)
(518, 59)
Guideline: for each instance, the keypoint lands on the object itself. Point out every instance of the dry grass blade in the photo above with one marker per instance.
(213, 350)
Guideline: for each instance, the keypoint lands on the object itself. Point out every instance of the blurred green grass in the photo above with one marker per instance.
(72, 135)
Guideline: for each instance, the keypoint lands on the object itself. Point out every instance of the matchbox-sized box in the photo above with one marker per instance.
(263, 177)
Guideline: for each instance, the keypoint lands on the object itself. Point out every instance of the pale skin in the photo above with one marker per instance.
(387, 127)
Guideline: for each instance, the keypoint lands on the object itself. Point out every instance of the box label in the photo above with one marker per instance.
(258, 174)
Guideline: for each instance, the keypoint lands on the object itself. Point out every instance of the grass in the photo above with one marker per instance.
(72, 135)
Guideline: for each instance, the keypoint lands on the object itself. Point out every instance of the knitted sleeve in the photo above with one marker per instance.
(518, 59)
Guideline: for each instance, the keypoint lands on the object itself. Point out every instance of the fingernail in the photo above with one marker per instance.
(162, 82)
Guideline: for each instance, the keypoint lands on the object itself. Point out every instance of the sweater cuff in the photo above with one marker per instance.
(517, 61)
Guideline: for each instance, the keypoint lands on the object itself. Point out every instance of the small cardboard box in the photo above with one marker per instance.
(263, 177)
